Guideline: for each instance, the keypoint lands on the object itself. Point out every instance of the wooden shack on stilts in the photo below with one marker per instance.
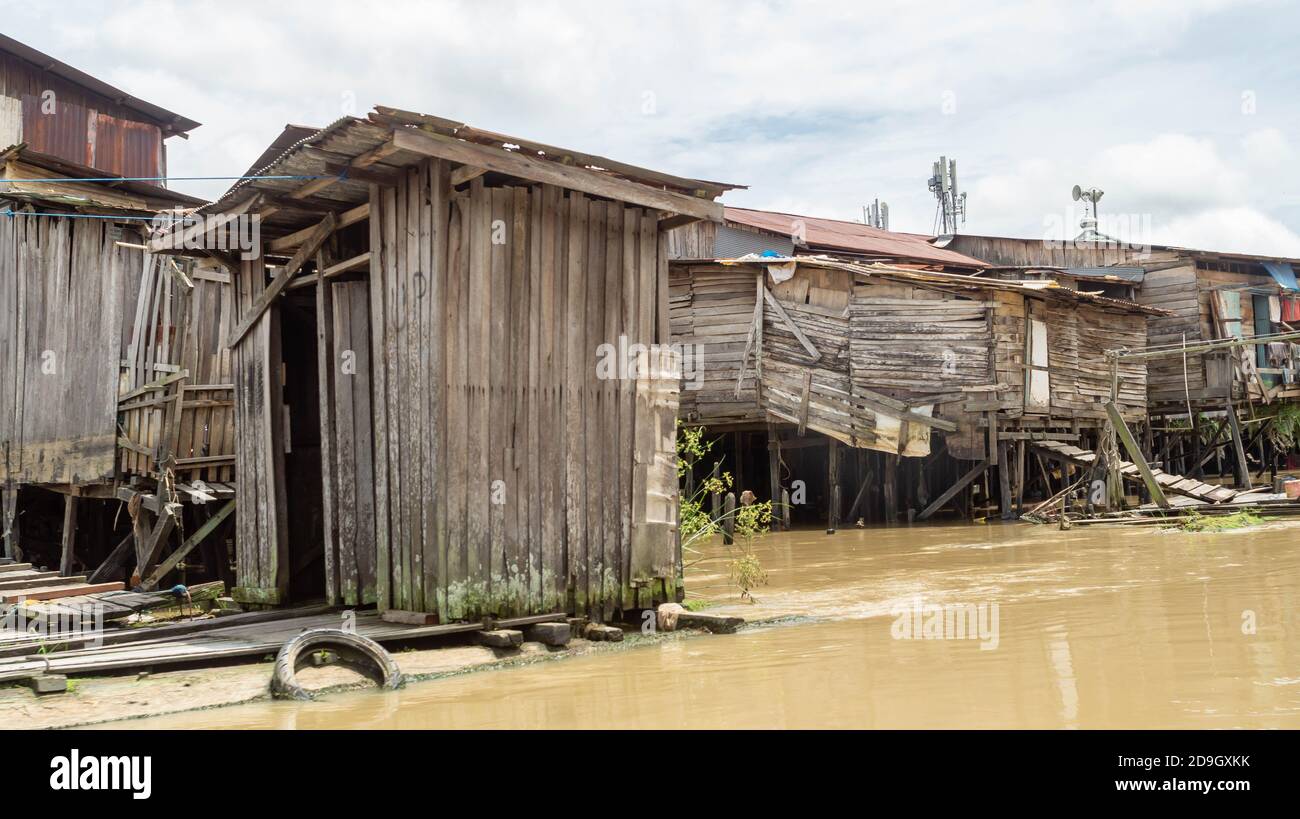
(924, 389)
(454, 395)
(115, 385)
(1222, 370)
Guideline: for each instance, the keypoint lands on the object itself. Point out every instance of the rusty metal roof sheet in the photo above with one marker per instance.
(170, 122)
(854, 238)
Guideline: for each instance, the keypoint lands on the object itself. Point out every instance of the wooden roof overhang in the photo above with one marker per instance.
(330, 172)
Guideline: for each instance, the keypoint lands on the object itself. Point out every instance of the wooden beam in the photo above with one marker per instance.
(201, 534)
(162, 529)
(114, 561)
(347, 218)
(952, 491)
(676, 221)
(804, 404)
(175, 241)
(352, 173)
(333, 271)
(69, 534)
(1135, 455)
(789, 323)
(318, 236)
(466, 173)
(1243, 471)
(571, 177)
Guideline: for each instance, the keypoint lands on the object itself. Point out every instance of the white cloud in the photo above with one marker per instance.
(818, 107)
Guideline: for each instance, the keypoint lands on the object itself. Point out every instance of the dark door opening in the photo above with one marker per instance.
(302, 458)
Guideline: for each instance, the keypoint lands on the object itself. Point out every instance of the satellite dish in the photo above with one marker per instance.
(1077, 193)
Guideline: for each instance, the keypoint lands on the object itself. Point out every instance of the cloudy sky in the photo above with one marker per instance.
(1183, 111)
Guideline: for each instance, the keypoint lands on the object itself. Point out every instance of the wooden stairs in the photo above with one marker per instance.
(21, 581)
(1175, 484)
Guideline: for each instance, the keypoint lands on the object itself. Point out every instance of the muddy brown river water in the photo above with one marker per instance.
(1091, 628)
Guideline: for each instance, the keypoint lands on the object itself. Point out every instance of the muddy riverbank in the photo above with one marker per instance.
(1091, 628)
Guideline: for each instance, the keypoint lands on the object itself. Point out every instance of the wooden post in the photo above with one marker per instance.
(1135, 452)
(715, 497)
(108, 570)
(729, 519)
(1004, 478)
(891, 488)
(952, 491)
(326, 367)
(9, 522)
(738, 443)
(832, 485)
(1243, 470)
(151, 582)
(774, 473)
(1020, 477)
(69, 533)
(785, 509)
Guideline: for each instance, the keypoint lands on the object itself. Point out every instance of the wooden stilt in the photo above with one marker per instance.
(862, 492)
(832, 485)
(151, 582)
(111, 567)
(729, 519)
(1135, 454)
(69, 534)
(1004, 479)
(9, 522)
(890, 485)
(738, 443)
(774, 473)
(1020, 477)
(1243, 470)
(952, 491)
(715, 497)
(162, 529)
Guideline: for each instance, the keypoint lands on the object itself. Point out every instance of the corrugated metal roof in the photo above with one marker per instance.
(852, 237)
(170, 122)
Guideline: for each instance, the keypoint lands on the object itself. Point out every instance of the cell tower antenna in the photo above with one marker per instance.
(950, 212)
(876, 215)
(1089, 222)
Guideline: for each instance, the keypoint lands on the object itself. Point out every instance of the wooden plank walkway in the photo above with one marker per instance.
(219, 644)
(1177, 484)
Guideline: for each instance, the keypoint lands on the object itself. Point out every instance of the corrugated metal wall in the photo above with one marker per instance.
(58, 118)
(733, 243)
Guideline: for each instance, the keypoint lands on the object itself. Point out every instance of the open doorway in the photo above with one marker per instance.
(302, 457)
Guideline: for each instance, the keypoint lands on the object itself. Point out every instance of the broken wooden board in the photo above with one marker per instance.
(1177, 484)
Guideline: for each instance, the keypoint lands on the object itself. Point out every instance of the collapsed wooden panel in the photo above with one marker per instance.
(60, 283)
(504, 444)
(174, 358)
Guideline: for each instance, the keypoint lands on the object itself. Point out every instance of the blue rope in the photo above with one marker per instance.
(10, 212)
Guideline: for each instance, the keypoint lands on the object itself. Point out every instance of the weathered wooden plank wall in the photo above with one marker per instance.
(505, 476)
(158, 344)
(712, 310)
(60, 303)
(261, 522)
(350, 558)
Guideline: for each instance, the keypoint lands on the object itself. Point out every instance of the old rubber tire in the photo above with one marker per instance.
(361, 654)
